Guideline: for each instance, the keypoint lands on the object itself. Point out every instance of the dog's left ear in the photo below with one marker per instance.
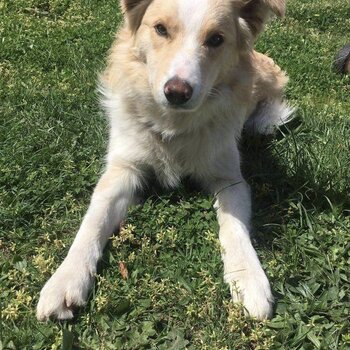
(276, 6)
(134, 11)
(257, 12)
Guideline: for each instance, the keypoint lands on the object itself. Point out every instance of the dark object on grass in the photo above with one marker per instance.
(342, 60)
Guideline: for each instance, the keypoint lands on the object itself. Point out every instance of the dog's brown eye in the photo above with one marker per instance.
(215, 40)
(161, 30)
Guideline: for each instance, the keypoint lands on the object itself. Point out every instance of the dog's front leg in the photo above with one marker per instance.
(70, 284)
(242, 270)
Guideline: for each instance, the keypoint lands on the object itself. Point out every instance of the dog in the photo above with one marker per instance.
(182, 81)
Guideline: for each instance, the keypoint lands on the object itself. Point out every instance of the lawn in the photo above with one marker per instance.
(53, 140)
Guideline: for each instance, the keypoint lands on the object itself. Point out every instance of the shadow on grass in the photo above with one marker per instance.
(275, 187)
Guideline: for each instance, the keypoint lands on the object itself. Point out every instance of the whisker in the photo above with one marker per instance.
(214, 92)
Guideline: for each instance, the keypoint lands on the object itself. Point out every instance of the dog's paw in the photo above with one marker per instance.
(67, 288)
(252, 289)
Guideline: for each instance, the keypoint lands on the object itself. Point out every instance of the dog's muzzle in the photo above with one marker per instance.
(177, 91)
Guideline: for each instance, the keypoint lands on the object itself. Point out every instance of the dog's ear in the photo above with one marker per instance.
(257, 12)
(133, 11)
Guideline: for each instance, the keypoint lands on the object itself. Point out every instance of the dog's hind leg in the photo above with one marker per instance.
(268, 115)
(269, 109)
(70, 284)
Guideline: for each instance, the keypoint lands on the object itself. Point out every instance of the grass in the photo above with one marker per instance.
(53, 138)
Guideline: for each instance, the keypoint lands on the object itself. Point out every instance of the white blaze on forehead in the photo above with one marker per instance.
(191, 14)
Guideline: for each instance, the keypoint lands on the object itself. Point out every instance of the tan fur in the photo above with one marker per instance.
(151, 136)
(259, 71)
(257, 12)
(133, 11)
(269, 79)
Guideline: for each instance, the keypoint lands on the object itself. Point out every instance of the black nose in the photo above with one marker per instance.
(178, 91)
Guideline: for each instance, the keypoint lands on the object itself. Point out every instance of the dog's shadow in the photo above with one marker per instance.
(278, 188)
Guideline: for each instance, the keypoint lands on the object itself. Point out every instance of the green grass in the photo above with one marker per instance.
(53, 138)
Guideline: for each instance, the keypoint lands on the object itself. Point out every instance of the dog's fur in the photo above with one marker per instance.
(232, 86)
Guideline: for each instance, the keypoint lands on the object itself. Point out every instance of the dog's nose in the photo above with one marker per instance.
(178, 91)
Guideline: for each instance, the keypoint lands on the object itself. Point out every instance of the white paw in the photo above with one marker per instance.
(68, 287)
(252, 289)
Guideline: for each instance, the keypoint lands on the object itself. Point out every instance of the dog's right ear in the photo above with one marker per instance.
(133, 11)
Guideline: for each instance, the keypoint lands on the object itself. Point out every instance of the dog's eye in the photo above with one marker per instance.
(161, 30)
(215, 40)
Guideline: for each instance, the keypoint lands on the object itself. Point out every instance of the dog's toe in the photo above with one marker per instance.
(65, 290)
(252, 289)
(258, 304)
(52, 308)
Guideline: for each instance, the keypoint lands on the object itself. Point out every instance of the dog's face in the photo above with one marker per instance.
(190, 47)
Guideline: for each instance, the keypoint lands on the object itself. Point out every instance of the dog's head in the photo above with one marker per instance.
(191, 47)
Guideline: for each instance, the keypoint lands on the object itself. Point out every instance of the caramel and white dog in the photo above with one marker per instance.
(182, 81)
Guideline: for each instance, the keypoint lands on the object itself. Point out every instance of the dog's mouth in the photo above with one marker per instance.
(182, 108)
